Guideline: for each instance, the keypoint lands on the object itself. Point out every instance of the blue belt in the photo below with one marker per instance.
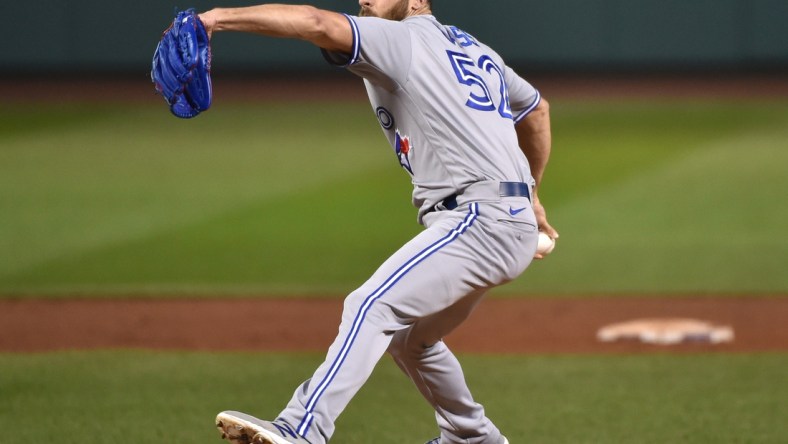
(507, 189)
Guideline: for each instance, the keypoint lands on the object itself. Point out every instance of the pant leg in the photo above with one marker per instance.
(422, 355)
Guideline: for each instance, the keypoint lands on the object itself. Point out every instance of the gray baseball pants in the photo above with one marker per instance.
(419, 295)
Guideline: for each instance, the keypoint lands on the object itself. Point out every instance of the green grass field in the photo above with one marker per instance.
(673, 196)
(144, 397)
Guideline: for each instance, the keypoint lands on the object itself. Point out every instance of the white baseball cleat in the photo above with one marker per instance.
(240, 428)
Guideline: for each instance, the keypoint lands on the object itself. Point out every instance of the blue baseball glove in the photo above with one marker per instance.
(181, 70)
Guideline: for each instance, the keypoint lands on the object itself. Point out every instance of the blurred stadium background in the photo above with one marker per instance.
(50, 36)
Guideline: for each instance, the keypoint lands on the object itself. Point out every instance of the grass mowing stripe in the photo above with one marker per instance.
(135, 396)
(126, 174)
(706, 222)
(600, 143)
(249, 249)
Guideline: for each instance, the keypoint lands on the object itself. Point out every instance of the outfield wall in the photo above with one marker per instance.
(53, 35)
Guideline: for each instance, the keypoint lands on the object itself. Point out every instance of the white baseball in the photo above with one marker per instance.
(545, 245)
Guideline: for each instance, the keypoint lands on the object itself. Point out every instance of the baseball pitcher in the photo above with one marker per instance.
(474, 139)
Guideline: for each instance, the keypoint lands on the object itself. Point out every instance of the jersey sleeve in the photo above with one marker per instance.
(383, 45)
(523, 97)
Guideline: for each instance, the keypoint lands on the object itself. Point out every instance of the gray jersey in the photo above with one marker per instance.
(416, 72)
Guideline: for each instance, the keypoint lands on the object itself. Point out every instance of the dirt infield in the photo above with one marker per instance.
(564, 325)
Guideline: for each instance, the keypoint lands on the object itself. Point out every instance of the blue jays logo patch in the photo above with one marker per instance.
(403, 147)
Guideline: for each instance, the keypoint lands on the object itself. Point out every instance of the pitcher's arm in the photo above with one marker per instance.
(535, 138)
(326, 29)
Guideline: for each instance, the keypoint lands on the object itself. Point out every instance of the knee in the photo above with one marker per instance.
(358, 301)
(405, 344)
(352, 304)
(360, 308)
